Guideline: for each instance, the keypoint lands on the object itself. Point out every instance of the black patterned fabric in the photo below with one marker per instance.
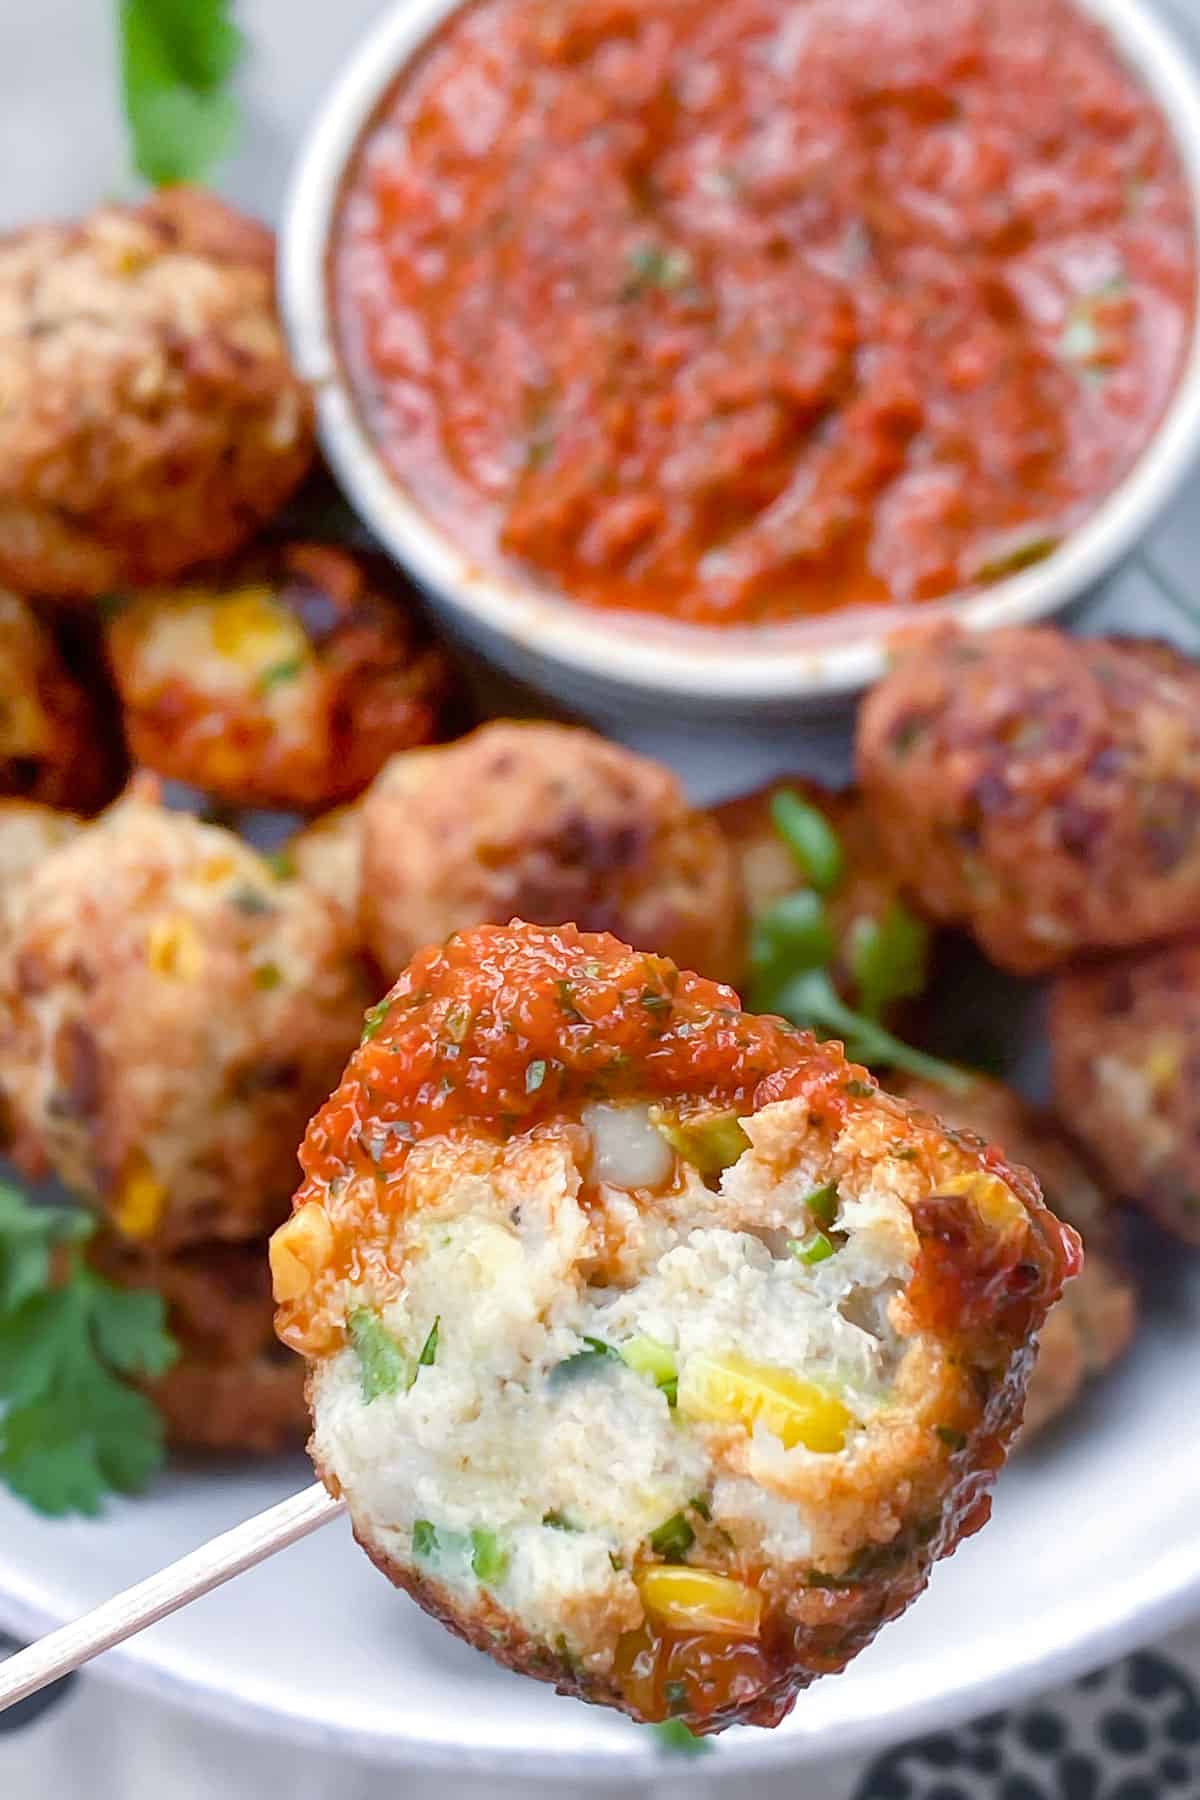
(1130, 1732)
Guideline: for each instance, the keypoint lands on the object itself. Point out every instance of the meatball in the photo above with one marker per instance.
(867, 892)
(234, 1386)
(170, 1013)
(1094, 1322)
(653, 1347)
(151, 420)
(1125, 1045)
(286, 681)
(1042, 790)
(54, 747)
(554, 824)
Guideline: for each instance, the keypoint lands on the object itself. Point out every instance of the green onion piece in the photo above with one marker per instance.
(383, 1366)
(822, 1202)
(888, 959)
(670, 1391)
(267, 976)
(815, 1248)
(535, 1074)
(955, 1440)
(811, 1000)
(489, 1558)
(277, 674)
(594, 1353)
(646, 1356)
(673, 1538)
(428, 1354)
(281, 863)
(699, 1504)
(810, 838)
(424, 1538)
(709, 1143)
(791, 935)
(458, 1023)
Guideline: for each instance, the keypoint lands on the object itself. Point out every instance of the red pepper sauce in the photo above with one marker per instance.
(751, 311)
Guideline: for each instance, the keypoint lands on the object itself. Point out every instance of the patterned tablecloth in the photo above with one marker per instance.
(1128, 1732)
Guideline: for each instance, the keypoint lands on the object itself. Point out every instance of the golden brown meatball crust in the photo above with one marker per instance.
(555, 824)
(285, 681)
(170, 1013)
(1125, 1042)
(54, 747)
(1042, 790)
(151, 420)
(234, 1387)
(768, 870)
(1094, 1322)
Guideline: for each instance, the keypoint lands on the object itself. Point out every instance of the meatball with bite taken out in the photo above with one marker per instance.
(551, 823)
(1094, 1322)
(170, 1014)
(654, 1349)
(151, 419)
(1125, 1049)
(1041, 790)
(285, 680)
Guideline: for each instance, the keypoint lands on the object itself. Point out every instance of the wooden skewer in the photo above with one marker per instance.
(143, 1604)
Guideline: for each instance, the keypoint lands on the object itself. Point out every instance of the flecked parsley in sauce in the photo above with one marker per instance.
(748, 310)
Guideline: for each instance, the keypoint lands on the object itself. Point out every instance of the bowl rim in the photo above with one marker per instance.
(643, 656)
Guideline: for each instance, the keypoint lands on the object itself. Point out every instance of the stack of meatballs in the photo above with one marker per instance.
(179, 655)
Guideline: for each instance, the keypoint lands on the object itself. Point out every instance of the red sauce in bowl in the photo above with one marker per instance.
(749, 311)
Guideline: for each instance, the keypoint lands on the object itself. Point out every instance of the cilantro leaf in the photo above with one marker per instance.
(177, 58)
(888, 958)
(71, 1430)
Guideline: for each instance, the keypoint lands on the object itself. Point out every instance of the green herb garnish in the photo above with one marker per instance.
(679, 1740)
(428, 1355)
(535, 1074)
(822, 1202)
(424, 1538)
(594, 1352)
(383, 1366)
(71, 1429)
(177, 60)
(372, 1019)
(653, 267)
(888, 959)
(810, 838)
(280, 673)
(646, 1356)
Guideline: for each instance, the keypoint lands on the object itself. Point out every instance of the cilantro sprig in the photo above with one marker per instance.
(793, 948)
(72, 1429)
(177, 59)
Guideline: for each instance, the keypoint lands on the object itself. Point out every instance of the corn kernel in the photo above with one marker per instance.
(216, 869)
(250, 627)
(731, 1390)
(173, 949)
(992, 1199)
(141, 1199)
(1163, 1062)
(686, 1599)
(299, 1250)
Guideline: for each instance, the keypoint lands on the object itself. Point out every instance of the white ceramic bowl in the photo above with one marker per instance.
(588, 657)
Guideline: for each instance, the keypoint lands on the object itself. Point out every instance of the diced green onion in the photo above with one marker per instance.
(646, 1356)
(810, 838)
(673, 1538)
(428, 1354)
(678, 1739)
(822, 1202)
(373, 1018)
(424, 1538)
(558, 1521)
(382, 1365)
(709, 1143)
(815, 1248)
(489, 1558)
(594, 1353)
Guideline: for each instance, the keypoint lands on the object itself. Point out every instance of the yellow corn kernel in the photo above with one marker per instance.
(686, 1599)
(250, 627)
(219, 868)
(731, 1390)
(992, 1199)
(1163, 1062)
(299, 1250)
(141, 1199)
(173, 948)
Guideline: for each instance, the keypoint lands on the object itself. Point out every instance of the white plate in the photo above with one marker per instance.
(1095, 1545)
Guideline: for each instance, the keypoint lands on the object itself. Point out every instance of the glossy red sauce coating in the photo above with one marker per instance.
(752, 311)
(503, 1026)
